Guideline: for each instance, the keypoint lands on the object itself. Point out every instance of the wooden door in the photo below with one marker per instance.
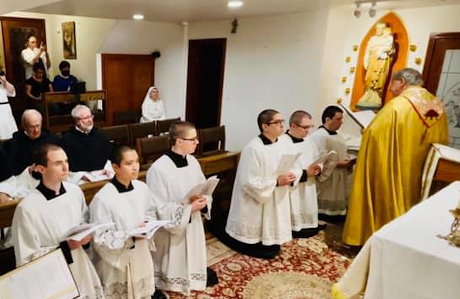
(441, 74)
(126, 79)
(15, 33)
(205, 78)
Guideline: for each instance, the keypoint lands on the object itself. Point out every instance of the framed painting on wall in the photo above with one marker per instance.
(68, 40)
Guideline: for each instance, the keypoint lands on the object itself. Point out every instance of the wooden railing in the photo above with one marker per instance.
(210, 165)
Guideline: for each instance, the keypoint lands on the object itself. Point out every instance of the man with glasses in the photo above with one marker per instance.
(259, 220)
(180, 258)
(334, 187)
(303, 198)
(87, 148)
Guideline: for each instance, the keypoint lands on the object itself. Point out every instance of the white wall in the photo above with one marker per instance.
(134, 37)
(271, 62)
(90, 35)
(344, 31)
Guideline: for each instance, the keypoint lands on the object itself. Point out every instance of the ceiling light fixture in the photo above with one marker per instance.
(235, 4)
(138, 16)
(372, 10)
(357, 12)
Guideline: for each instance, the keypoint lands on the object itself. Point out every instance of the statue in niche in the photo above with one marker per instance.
(377, 63)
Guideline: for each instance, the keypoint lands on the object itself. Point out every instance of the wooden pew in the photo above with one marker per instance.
(210, 165)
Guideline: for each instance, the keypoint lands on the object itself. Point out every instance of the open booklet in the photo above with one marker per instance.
(362, 118)
(149, 229)
(97, 175)
(202, 189)
(287, 162)
(77, 233)
(46, 277)
(329, 156)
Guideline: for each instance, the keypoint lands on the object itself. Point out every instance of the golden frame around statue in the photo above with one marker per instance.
(399, 60)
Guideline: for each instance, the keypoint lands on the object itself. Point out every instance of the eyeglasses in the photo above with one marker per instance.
(277, 122)
(86, 117)
(305, 127)
(190, 139)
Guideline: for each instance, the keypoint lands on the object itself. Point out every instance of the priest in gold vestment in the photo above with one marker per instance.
(394, 146)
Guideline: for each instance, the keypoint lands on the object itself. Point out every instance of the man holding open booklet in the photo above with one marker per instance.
(183, 195)
(43, 219)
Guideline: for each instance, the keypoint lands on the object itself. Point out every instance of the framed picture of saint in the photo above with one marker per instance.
(68, 40)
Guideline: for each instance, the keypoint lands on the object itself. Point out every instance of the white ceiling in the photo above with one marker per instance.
(204, 10)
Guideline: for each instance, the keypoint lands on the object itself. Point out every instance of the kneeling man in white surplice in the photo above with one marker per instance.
(180, 259)
(47, 213)
(124, 263)
(259, 220)
(303, 198)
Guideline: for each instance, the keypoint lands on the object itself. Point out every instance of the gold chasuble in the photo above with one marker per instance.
(394, 146)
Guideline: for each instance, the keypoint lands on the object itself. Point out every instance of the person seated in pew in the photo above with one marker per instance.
(303, 198)
(124, 263)
(152, 107)
(259, 220)
(88, 149)
(42, 220)
(63, 81)
(21, 147)
(180, 259)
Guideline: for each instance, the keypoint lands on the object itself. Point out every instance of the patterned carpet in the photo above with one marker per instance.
(306, 269)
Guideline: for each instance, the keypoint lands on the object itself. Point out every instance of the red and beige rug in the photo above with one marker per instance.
(306, 269)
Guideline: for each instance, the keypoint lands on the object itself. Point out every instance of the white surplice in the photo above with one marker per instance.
(303, 197)
(40, 225)
(180, 259)
(333, 191)
(259, 210)
(125, 266)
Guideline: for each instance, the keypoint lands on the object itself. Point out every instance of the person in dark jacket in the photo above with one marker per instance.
(23, 145)
(86, 147)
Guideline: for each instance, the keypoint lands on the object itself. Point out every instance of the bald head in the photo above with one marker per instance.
(31, 121)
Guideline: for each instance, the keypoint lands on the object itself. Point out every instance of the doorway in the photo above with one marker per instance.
(441, 75)
(205, 79)
(126, 79)
(15, 32)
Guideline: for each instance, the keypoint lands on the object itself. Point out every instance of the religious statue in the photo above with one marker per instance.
(377, 62)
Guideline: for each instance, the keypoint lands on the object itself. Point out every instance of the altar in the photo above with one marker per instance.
(405, 258)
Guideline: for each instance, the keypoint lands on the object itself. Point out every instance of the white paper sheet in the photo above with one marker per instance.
(79, 232)
(203, 189)
(43, 278)
(149, 229)
(286, 163)
(362, 118)
(330, 156)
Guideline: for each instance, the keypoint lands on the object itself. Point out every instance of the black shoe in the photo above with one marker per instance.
(212, 277)
(305, 233)
(159, 295)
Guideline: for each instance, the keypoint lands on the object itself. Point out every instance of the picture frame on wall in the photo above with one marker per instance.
(69, 41)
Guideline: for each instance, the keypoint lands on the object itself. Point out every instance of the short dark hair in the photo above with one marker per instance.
(117, 153)
(63, 64)
(38, 66)
(297, 116)
(40, 156)
(177, 130)
(265, 117)
(330, 112)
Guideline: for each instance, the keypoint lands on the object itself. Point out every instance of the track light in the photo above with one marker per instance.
(357, 12)
(372, 10)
